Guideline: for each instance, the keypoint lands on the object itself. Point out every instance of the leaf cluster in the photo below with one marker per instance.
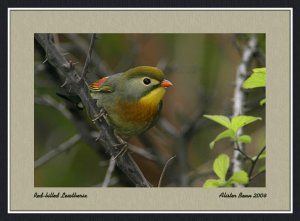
(232, 126)
(220, 167)
(257, 79)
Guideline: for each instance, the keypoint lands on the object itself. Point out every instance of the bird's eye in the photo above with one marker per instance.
(147, 81)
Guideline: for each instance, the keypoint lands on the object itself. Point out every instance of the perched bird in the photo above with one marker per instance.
(132, 99)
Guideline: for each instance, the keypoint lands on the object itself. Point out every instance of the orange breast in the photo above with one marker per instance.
(137, 112)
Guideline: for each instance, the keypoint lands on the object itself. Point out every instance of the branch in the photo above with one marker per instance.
(96, 60)
(256, 175)
(49, 101)
(164, 170)
(88, 58)
(142, 152)
(77, 85)
(133, 148)
(73, 115)
(254, 163)
(239, 98)
(182, 137)
(55, 152)
(110, 170)
(238, 148)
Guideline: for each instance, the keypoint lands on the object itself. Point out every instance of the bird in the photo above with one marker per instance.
(132, 99)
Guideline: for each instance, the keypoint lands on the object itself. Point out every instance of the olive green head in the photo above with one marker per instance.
(138, 82)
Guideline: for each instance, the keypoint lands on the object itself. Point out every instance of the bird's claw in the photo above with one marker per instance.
(99, 115)
(122, 151)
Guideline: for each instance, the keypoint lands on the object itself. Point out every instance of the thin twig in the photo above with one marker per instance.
(110, 170)
(88, 57)
(242, 152)
(256, 175)
(73, 115)
(55, 152)
(147, 141)
(97, 61)
(141, 152)
(255, 161)
(133, 148)
(49, 101)
(164, 170)
(114, 180)
(182, 137)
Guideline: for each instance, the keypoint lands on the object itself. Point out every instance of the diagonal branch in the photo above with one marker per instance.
(110, 170)
(77, 85)
(55, 152)
(255, 161)
(81, 45)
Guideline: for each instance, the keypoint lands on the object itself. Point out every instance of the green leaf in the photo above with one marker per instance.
(227, 184)
(211, 145)
(220, 119)
(240, 177)
(259, 70)
(244, 139)
(212, 183)
(227, 133)
(257, 79)
(221, 165)
(262, 102)
(240, 121)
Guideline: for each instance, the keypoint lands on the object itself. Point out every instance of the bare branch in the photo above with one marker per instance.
(256, 175)
(88, 57)
(164, 170)
(255, 161)
(242, 152)
(182, 137)
(133, 148)
(74, 116)
(76, 84)
(239, 98)
(96, 60)
(49, 101)
(55, 152)
(141, 152)
(110, 170)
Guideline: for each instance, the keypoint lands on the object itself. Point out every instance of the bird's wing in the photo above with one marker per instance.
(100, 86)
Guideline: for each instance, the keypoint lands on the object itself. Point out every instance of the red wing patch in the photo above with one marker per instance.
(96, 85)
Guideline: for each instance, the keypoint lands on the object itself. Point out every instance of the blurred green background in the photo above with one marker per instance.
(202, 68)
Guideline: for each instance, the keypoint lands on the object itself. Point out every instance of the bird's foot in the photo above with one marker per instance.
(124, 148)
(121, 145)
(99, 115)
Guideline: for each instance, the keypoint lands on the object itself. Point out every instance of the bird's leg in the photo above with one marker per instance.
(122, 151)
(122, 144)
(99, 115)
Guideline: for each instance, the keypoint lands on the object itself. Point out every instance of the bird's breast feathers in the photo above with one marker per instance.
(145, 109)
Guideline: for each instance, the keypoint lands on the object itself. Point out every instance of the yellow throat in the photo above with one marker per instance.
(154, 97)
